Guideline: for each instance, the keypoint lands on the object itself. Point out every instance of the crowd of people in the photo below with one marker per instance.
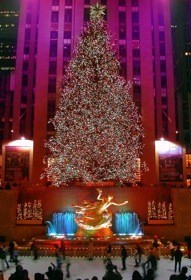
(148, 262)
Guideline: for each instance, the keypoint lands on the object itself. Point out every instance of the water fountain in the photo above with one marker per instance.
(126, 223)
(123, 223)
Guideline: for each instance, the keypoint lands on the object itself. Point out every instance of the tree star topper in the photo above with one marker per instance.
(97, 12)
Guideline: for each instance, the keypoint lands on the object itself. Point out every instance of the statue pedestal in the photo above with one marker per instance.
(101, 233)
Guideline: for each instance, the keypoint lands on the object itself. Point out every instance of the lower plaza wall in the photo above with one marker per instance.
(61, 199)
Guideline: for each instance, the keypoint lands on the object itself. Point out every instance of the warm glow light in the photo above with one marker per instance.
(163, 147)
(21, 143)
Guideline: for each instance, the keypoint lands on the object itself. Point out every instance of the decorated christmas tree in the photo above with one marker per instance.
(98, 129)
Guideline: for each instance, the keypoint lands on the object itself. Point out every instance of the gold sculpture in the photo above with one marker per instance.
(95, 215)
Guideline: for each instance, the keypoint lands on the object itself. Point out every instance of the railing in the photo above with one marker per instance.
(98, 251)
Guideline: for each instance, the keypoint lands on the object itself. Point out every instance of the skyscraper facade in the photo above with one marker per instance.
(47, 35)
(181, 35)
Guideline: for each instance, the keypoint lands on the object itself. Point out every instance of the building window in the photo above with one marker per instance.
(28, 18)
(164, 100)
(25, 66)
(135, 3)
(123, 70)
(68, 3)
(51, 108)
(135, 32)
(136, 89)
(55, 2)
(50, 126)
(163, 81)
(54, 16)
(25, 80)
(27, 34)
(188, 160)
(136, 52)
(26, 49)
(122, 3)
(67, 34)
(52, 84)
(23, 99)
(135, 17)
(122, 32)
(122, 51)
(162, 65)
(161, 19)
(52, 67)
(87, 14)
(53, 48)
(22, 121)
(122, 17)
(54, 35)
(67, 51)
(162, 49)
(161, 35)
(68, 15)
(136, 67)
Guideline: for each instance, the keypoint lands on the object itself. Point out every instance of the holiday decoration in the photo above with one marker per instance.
(19, 212)
(170, 212)
(159, 211)
(164, 215)
(29, 211)
(25, 211)
(149, 210)
(98, 130)
(160, 214)
(153, 210)
(39, 210)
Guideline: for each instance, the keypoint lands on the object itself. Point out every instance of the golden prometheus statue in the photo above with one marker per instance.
(95, 215)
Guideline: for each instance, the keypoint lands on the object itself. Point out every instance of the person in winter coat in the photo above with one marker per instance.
(178, 259)
(123, 257)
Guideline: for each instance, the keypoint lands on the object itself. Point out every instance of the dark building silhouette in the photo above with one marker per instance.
(9, 14)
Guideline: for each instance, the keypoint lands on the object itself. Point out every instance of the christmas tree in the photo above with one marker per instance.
(98, 129)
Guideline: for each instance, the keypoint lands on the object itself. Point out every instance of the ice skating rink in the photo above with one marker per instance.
(83, 268)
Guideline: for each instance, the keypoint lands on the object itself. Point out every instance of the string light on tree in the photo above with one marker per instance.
(98, 130)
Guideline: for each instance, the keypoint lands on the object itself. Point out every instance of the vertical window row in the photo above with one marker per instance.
(53, 51)
(122, 38)
(67, 33)
(136, 53)
(163, 79)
